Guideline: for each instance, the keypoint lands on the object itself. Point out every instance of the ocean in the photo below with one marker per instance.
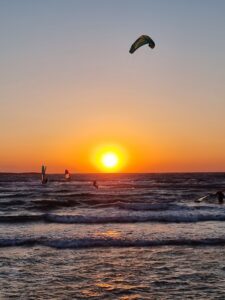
(139, 236)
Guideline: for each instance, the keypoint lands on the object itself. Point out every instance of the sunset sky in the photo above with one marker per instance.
(69, 86)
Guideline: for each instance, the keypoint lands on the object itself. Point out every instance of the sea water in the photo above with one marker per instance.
(139, 236)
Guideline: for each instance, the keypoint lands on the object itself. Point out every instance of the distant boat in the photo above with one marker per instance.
(67, 175)
(44, 178)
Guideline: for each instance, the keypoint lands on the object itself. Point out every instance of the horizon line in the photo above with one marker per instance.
(114, 173)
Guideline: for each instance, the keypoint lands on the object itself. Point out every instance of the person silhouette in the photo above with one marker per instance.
(95, 184)
(44, 178)
(220, 196)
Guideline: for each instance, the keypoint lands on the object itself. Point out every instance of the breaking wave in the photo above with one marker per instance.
(175, 215)
(105, 243)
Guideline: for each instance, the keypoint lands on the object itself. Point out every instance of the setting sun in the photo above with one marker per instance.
(110, 160)
(109, 157)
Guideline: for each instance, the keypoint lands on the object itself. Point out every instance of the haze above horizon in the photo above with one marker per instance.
(69, 86)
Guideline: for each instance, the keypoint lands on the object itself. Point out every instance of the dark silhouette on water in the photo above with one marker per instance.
(220, 196)
(95, 184)
(67, 175)
(44, 178)
(141, 41)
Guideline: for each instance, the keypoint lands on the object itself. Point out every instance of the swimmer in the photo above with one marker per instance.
(95, 184)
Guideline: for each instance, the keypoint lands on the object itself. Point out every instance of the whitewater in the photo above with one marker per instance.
(139, 236)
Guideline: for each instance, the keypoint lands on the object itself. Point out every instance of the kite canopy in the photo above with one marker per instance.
(142, 40)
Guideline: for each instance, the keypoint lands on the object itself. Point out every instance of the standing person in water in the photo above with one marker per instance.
(95, 184)
(44, 178)
(67, 175)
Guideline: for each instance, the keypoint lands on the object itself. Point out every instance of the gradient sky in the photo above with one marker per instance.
(68, 84)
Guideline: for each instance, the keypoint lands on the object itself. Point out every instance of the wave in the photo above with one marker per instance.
(152, 217)
(105, 243)
(166, 216)
(15, 195)
(143, 206)
(11, 203)
(21, 218)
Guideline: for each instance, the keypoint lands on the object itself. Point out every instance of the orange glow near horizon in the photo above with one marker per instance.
(65, 106)
(109, 158)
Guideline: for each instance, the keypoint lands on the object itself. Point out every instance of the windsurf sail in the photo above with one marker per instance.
(67, 175)
(43, 169)
(44, 178)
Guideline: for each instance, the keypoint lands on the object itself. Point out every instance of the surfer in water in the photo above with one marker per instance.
(67, 175)
(220, 196)
(44, 178)
(95, 184)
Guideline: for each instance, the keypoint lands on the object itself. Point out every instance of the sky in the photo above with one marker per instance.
(68, 84)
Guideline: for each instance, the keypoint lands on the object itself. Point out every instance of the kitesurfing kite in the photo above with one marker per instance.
(141, 41)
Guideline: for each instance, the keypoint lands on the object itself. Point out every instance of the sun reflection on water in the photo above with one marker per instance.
(110, 234)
